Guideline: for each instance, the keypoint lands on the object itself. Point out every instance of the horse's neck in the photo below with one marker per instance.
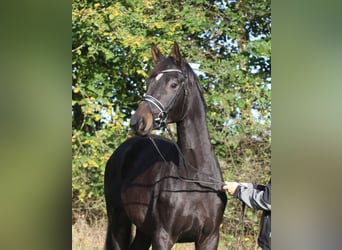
(194, 140)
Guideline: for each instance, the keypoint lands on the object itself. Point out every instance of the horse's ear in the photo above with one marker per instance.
(176, 54)
(157, 56)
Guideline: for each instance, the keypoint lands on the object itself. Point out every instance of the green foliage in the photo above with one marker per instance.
(111, 58)
(90, 154)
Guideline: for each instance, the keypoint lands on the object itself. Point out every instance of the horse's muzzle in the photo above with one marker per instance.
(142, 120)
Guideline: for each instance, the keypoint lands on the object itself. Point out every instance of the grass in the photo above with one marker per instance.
(85, 237)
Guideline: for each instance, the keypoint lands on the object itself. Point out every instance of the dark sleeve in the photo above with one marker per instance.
(255, 196)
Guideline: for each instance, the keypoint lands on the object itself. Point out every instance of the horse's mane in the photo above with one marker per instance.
(194, 79)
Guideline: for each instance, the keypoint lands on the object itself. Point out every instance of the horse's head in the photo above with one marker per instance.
(166, 96)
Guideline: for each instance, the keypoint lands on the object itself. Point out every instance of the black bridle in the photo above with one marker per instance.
(161, 119)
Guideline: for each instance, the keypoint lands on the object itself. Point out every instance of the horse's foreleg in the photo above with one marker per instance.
(208, 243)
(118, 231)
(162, 240)
(141, 241)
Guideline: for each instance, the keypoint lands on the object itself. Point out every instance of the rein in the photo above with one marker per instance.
(214, 180)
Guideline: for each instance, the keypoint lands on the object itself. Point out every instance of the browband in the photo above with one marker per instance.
(167, 71)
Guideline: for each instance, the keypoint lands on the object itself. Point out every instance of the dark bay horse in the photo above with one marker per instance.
(170, 191)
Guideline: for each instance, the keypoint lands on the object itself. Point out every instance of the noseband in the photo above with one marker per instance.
(161, 119)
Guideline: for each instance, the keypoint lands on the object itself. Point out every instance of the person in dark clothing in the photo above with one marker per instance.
(258, 197)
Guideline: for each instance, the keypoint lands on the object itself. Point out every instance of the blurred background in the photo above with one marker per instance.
(41, 196)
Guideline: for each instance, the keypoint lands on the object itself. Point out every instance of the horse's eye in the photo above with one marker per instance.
(174, 85)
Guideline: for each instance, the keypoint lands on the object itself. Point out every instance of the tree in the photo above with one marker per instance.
(231, 40)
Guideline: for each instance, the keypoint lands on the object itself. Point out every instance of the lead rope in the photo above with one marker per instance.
(156, 147)
(243, 206)
(216, 181)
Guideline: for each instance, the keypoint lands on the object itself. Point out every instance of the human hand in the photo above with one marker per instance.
(230, 187)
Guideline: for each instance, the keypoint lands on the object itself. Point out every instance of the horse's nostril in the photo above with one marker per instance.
(134, 123)
(142, 120)
(138, 124)
(142, 124)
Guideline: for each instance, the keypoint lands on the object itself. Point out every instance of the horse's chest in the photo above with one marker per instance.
(138, 196)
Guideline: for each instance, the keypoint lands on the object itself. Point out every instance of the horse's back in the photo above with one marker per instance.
(140, 152)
